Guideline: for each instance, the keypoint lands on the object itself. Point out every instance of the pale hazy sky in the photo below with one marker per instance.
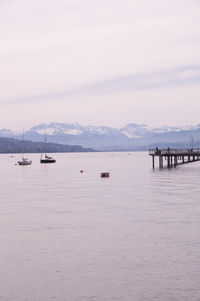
(101, 62)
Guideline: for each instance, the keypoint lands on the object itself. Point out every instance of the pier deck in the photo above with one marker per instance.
(174, 157)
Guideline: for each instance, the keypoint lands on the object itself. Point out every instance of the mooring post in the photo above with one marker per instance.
(175, 161)
(160, 161)
(168, 161)
(171, 161)
(153, 162)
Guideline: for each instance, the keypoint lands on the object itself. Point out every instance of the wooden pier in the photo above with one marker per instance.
(174, 157)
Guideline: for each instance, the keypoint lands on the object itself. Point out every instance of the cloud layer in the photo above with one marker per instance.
(105, 50)
(164, 79)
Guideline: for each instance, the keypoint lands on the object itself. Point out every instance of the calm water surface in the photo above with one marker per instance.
(67, 236)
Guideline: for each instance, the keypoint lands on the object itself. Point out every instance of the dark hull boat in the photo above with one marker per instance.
(47, 159)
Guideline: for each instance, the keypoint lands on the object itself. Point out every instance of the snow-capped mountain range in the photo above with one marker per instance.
(132, 136)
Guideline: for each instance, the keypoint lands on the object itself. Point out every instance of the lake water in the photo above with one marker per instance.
(71, 236)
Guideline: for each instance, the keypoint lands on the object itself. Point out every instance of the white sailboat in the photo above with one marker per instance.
(24, 161)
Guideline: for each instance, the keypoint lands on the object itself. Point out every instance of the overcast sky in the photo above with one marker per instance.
(100, 62)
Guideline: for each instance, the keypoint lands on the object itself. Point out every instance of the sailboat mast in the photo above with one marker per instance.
(23, 145)
(45, 140)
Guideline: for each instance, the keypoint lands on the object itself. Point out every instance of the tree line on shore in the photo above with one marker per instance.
(11, 145)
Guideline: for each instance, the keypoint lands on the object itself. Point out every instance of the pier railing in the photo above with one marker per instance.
(177, 152)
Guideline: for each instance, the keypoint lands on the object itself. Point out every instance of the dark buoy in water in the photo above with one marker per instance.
(105, 175)
(81, 171)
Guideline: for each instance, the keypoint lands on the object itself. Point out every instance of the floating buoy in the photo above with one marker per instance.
(105, 175)
(81, 171)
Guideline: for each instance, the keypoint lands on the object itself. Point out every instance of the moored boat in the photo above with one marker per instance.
(24, 161)
(47, 159)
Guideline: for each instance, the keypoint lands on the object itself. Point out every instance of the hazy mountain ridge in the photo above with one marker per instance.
(130, 137)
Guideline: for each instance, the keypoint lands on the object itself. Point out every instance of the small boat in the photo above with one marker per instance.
(105, 175)
(24, 161)
(47, 159)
